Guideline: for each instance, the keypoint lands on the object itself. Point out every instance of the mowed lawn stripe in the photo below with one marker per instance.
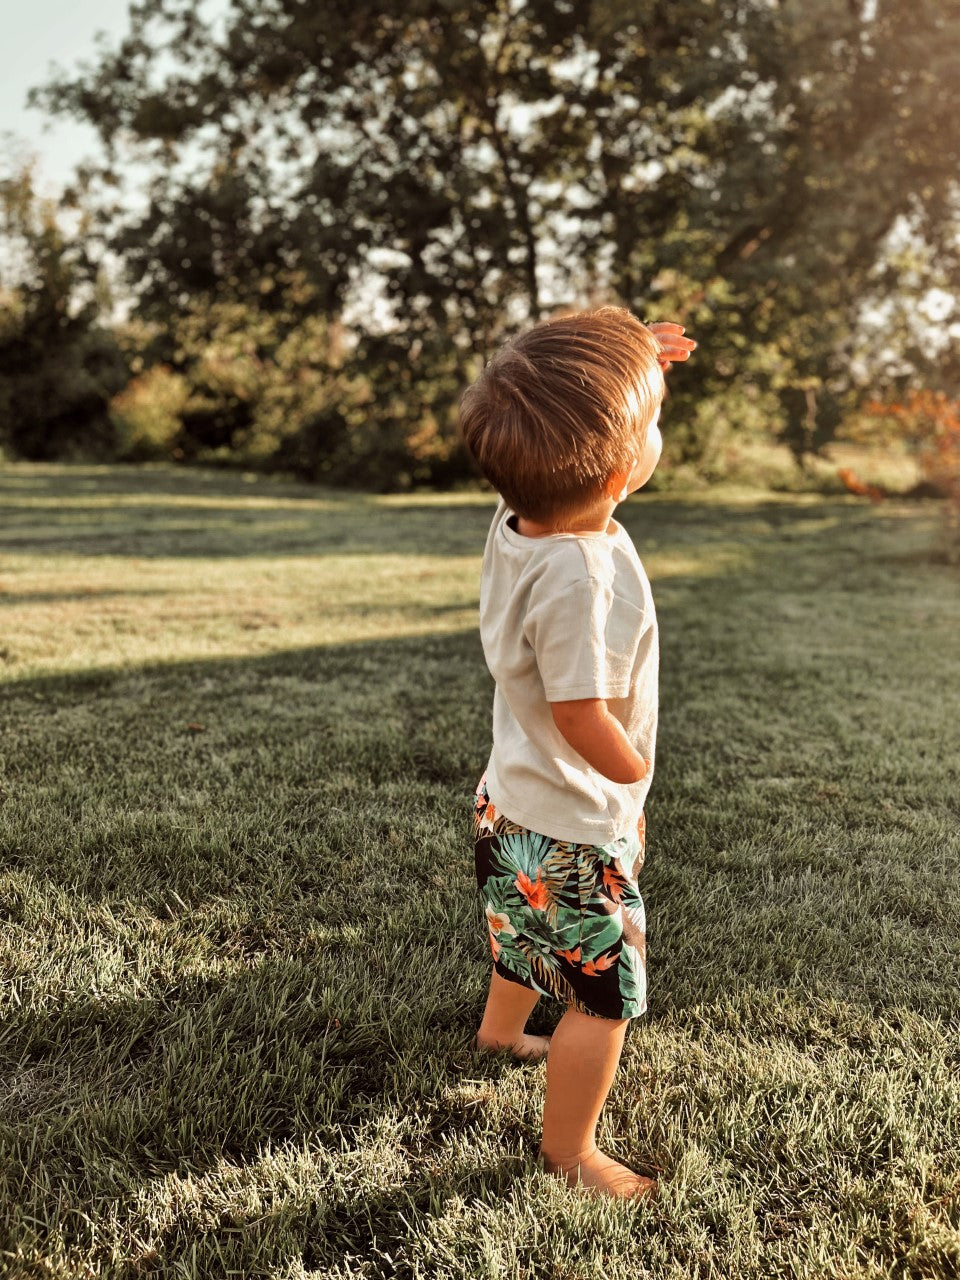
(241, 950)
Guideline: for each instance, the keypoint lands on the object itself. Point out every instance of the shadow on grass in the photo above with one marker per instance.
(265, 782)
(309, 778)
(72, 597)
(241, 911)
(221, 516)
(83, 481)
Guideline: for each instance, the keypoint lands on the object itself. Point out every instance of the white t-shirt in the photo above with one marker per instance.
(561, 617)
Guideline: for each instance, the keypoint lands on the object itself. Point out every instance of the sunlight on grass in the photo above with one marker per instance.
(83, 613)
(242, 957)
(166, 602)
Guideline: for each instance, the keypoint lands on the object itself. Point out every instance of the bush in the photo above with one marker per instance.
(59, 367)
(147, 415)
(928, 423)
(54, 397)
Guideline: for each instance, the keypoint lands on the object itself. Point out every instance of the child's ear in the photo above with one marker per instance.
(616, 484)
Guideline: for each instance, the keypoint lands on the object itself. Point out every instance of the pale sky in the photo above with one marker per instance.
(36, 33)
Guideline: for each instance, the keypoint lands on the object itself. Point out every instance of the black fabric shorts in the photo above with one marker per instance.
(564, 919)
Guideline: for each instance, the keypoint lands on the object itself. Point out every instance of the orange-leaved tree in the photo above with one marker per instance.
(928, 422)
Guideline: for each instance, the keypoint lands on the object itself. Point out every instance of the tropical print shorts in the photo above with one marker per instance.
(564, 919)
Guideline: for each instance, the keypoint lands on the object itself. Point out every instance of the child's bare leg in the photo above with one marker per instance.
(508, 1007)
(584, 1053)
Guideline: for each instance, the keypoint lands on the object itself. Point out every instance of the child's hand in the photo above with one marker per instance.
(588, 725)
(673, 345)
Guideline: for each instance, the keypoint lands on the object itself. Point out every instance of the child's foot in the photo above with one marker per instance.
(602, 1175)
(525, 1048)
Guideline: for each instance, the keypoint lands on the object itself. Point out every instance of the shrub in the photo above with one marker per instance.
(147, 415)
(928, 422)
(59, 366)
(54, 397)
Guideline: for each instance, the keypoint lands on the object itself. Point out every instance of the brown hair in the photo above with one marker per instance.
(562, 406)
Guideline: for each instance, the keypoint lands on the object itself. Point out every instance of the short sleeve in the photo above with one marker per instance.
(585, 638)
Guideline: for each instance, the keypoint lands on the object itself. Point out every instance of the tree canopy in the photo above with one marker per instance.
(779, 175)
(58, 363)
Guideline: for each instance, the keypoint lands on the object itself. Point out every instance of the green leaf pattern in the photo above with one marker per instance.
(565, 919)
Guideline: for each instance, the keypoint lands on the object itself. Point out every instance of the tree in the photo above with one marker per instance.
(58, 365)
(768, 171)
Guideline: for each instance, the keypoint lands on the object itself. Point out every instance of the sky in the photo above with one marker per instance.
(35, 34)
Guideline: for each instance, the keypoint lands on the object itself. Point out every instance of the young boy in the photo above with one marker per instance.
(563, 422)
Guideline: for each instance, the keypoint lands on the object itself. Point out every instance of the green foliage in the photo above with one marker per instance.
(230, 383)
(58, 365)
(54, 400)
(147, 415)
(782, 178)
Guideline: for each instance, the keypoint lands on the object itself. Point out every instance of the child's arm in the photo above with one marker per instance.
(598, 736)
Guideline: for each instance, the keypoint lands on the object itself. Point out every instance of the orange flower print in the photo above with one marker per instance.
(593, 967)
(534, 892)
(485, 814)
(613, 882)
(573, 956)
(494, 946)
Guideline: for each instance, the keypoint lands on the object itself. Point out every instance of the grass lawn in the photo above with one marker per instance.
(242, 954)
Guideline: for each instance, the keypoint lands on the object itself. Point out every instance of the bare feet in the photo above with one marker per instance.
(525, 1048)
(602, 1175)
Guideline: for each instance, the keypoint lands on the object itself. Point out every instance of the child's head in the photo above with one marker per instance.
(563, 407)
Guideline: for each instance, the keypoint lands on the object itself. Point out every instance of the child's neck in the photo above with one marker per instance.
(596, 520)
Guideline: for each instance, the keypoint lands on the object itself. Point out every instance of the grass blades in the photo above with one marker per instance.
(242, 957)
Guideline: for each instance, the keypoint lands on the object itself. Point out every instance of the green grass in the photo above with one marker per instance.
(243, 957)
